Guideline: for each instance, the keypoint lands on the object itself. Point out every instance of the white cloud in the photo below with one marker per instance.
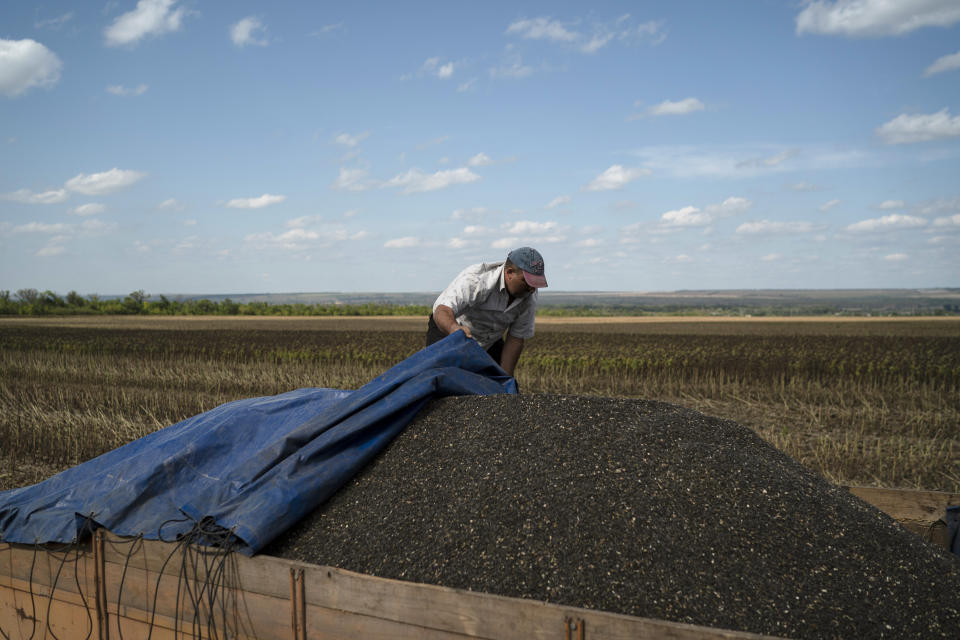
(728, 161)
(96, 184)
(479, 160)
(511, 66)
(875, 17)
(402, 243)
(434, 67)
(948, 221)
(53, 250)
(352, 180)
(528, 227)
(26, 196)
(680, 107)
(54, 23)
(303, 221)
(940, 205)
(559, 200)
(415, 181)
(477, 230)
(892, 204)
(682, 258)
(590, 243)
(887, 223)
(468, 85)
(616, 177)
(650, 32)
(906, 129)
(120, 90)
(149, 18)
(771, 257)
(25, 64)
(770, 161)
(348, 140)
(691, 216)
(596, 42)
(255, 203)
(297, 239)
(942, 64)
(505, 243)
(829, 204)
(686, 217)
(88, 209)
(543, 29)
(457, 243)
(895, 257)
(42, 227)
(767, 227)
(170, 204)
(96, 227)
(729, 207)
(242, 33)
(548, 29)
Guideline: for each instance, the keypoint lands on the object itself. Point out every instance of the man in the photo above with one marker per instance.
(487, 299)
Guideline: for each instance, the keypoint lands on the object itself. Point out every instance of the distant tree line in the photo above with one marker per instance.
(31, 302)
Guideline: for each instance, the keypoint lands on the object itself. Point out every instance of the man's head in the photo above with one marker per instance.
(524, 268)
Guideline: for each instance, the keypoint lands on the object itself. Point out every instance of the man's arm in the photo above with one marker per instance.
(443, 316)
(511, 353)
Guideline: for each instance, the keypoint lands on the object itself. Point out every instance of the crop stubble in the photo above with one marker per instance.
(862, 402)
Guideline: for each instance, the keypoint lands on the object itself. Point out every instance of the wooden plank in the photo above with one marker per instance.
(339, 603)
(343, 604)
(50, 618)
(482, 615)
(68, 620)
(140, 597)
(422, 606)
(922, 512)
(905, 504)
(44, 568)
(134, 610)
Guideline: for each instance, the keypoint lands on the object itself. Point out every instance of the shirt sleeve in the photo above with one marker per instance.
(523, 326)
(460, 293)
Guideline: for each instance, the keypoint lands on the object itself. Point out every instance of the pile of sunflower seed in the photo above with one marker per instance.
(633, 507)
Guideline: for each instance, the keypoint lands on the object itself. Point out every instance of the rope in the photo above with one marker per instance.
(207, 560)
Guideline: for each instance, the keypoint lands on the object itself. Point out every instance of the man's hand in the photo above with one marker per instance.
(443, 316)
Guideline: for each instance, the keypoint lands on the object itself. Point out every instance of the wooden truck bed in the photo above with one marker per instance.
(123, 588)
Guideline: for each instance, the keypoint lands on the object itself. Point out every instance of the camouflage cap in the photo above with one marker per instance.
(531, 263)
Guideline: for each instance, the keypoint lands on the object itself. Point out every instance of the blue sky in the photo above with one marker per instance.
(184, 146)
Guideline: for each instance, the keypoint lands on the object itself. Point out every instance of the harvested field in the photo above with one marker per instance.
(630, 506)
(869, 401)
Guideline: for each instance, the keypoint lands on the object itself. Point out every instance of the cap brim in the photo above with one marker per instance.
(535, 281)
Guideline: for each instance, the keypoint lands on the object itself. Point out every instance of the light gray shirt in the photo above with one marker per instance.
(480, 301)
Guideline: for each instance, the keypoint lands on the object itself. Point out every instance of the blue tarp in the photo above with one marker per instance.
(252, 466)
